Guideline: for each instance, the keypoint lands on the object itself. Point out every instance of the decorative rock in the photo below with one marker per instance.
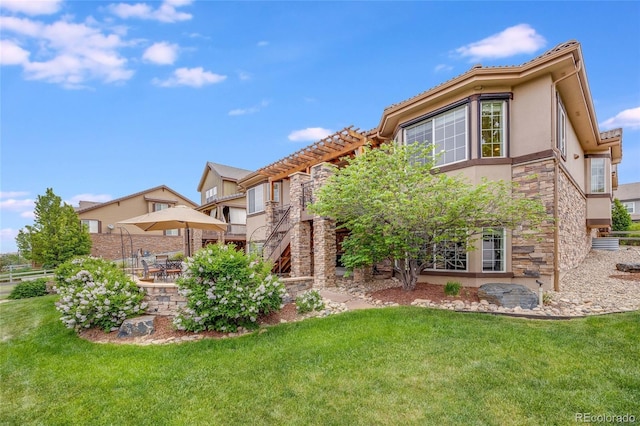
(135, 327)
(508, 295)
(628, 267)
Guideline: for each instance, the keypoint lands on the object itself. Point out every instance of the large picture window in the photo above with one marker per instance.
(446, 256)
(493, 256)
(93, 226)
(447, 132)
(492, 128)
(255, 199)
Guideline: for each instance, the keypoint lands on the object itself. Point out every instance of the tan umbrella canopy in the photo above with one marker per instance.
(174, 218)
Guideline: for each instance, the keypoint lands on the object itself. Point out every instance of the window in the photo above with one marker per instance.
(447, 132)
(493, 242)
(447, 255)
(255, 199)
(92, 225)
(630, 206)
(276, 192)
(211, 194)
(597, 175)
(162, 206)
(492, 128)
(562, 129)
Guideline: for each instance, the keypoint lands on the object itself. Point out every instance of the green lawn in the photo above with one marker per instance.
(386, 366)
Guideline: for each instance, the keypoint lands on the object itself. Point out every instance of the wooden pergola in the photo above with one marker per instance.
(330, 150)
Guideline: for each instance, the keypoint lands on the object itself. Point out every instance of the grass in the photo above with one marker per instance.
(400, 365)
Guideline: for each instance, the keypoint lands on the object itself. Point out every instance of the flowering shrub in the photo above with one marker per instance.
(95, 292)
(226, 289)
(309, 301)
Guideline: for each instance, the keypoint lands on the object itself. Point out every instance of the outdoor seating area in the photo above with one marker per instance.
(162, 269)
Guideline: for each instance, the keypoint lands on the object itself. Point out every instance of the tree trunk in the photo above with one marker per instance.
(408, 271)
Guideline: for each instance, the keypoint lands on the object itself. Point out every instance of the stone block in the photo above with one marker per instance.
(139, 326)
(628, 267)
(508, 295)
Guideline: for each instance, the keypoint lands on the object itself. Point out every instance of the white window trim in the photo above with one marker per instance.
(441, 154)
(594, 177)
(562, 129)
(251, 193)
(503, 259)
(630, 206)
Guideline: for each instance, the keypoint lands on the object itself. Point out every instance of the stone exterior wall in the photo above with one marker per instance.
(324, 235)
(574, 236)
(298, 285)
(109, 246)
(530, 257)
(163, 299)
(301, 230)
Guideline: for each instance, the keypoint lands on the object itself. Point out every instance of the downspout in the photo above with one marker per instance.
(556, 162)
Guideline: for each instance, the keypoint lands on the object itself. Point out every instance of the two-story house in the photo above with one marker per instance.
(629, 196)
(221, 198)
(533, 124)
(113, 240)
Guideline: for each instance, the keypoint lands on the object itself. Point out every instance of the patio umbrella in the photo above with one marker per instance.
(176, 217)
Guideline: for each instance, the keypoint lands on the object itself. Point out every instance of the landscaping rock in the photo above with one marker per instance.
(628, 267)
(139, 326)
(508, 295)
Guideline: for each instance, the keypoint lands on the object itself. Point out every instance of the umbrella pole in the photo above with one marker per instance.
(188, 242)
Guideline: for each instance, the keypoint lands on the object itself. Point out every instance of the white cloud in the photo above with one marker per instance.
(166, 12)
(11, 194)
(99, 198)
(17, 205)
(8, 240)
(250, 110)
(442, 67)
(12, 54)
(244, 76)
(309, 134)
(193, 77)
(162, 53)
(510, 42)
(32, 7)
(69, 53)
(629, 118)
(262, 43)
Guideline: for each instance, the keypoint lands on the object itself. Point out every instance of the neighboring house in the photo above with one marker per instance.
(629, 196)
(535, 120)
(221, 198)
(114, 241)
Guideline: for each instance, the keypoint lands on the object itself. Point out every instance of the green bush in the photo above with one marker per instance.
(178, 257)
(25, 289)
(452, 288)
(226, 289)
(96, 293)
(309, 301)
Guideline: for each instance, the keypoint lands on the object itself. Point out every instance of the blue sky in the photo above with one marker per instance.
(101, 99)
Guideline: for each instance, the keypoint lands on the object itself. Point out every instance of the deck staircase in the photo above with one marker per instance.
(277, 247)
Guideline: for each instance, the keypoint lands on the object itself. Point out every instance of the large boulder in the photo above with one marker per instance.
(628, 267)
(139, 326)
(508, 295)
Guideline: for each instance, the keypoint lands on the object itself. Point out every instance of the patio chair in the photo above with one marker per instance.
(154, 269)
(173, 268)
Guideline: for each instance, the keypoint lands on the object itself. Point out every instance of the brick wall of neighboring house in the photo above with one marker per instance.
(575, 238)
(531, 257)
(109, 246)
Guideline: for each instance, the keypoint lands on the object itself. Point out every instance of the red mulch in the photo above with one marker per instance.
(164, 327)
(426, 291)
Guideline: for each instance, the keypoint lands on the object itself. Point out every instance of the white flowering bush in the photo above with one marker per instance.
(309, 301)
(96, 293)
(226, 289)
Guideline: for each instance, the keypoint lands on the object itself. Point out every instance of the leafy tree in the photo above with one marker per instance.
(56, 235)
(620, 217)
(397, 206)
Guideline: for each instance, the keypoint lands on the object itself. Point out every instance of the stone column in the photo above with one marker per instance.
(300, 230)
(324, 235)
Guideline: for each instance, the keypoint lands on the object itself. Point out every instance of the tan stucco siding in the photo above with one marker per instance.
(530, 120)
(256, 229)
